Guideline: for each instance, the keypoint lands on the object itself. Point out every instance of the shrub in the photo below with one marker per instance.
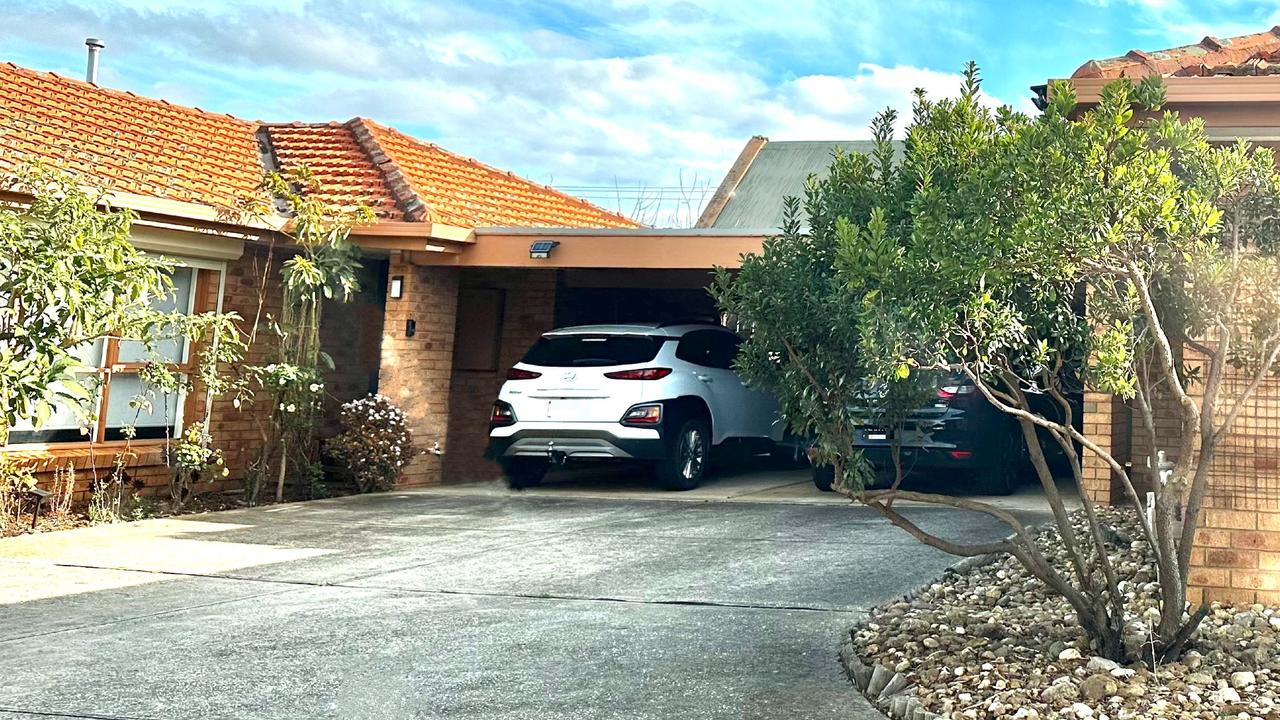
(15, 480)
(375, 443)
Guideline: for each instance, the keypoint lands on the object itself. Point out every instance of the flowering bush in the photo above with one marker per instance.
(194, 458)
(194, 452)
(375, 442)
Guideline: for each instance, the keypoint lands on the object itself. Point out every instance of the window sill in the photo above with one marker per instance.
(47, 456)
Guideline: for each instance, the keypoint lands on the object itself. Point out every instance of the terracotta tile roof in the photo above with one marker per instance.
(137, 145)
(150, 147)
(1256, 54)
(457, 190)
(341, 167)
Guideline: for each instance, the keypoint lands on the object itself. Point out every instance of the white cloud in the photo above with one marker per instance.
(638, 93)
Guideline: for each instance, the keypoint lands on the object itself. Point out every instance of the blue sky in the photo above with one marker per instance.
(594, 95)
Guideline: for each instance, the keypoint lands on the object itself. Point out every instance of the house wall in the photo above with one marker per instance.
(350, 334)
(1237, 554)
(416, 372)
(1237, 558)
(529, 310)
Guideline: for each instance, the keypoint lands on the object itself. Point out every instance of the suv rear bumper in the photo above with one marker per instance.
(576, 441)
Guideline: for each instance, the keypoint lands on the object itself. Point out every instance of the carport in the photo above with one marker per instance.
(463, 307)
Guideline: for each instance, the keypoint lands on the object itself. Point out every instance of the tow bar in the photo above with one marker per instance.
(557, 457)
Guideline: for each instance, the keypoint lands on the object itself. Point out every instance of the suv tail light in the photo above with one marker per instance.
(643, 415)
(946, 392)
(502, 414)
(639, 374)
(519, 374)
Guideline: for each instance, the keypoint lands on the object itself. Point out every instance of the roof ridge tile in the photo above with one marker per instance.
(1210, 56)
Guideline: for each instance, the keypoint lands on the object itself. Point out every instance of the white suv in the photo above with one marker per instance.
(660, 393)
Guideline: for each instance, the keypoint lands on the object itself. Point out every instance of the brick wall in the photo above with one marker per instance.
(1237, 558)
(349, 334)
(415, 371)
(1237, 553)
(237, 431)
(1106, 422)
(530, 299)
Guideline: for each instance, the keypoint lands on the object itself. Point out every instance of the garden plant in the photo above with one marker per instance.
(1113, 250)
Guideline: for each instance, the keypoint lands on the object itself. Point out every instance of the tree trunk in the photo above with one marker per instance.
(284, 464)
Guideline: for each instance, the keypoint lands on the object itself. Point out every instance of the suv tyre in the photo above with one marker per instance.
(823, 477)
(687, 454)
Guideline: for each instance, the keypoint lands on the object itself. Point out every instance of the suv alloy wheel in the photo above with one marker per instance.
(686, 460)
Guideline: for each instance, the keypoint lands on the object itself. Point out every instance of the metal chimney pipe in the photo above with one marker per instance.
(91, 70)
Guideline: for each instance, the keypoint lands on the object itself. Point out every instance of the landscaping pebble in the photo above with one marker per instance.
(991, 641)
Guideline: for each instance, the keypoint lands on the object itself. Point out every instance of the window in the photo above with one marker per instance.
(709, 348)
(593, 350)
(110, 368)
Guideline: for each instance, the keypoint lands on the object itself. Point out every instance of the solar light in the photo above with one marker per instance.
(541, 249)
(397, 287)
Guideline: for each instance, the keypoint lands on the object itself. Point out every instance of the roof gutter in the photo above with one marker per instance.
(1215, 89)
(171, 213)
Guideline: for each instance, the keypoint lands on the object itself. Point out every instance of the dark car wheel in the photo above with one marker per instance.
(823, 477)
(687, 455)
(521, 473)
(1000, 478)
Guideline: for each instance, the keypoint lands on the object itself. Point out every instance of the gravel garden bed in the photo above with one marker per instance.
(991, 641)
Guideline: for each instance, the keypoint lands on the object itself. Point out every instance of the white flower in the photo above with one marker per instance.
(291, 408)
(281, 406)
(235, 403)
(315, 387)
(225, 472)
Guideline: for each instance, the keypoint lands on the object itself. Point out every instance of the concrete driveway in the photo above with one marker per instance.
(472, 603)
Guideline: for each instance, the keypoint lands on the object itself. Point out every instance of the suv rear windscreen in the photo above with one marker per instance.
(593, 350)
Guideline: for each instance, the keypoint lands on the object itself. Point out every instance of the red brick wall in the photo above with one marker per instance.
(416, 370)
(529, 311)
(351, 333)
(1238, 554)
(1106, 423)
(234, 429)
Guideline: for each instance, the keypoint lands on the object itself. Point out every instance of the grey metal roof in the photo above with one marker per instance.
(778, 171)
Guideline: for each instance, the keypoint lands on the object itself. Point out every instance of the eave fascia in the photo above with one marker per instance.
(1226, 89)
(413, 236)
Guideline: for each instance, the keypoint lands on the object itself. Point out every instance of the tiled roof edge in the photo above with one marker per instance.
(506, 173)
(406, 196)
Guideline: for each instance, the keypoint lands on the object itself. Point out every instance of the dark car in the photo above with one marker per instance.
(961, 439)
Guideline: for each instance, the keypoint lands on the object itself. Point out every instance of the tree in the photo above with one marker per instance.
(70, 276)
(1038, 257)
(322, 265)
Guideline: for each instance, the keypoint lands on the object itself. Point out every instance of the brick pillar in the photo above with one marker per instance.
(1103, 424)
(415, 371)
